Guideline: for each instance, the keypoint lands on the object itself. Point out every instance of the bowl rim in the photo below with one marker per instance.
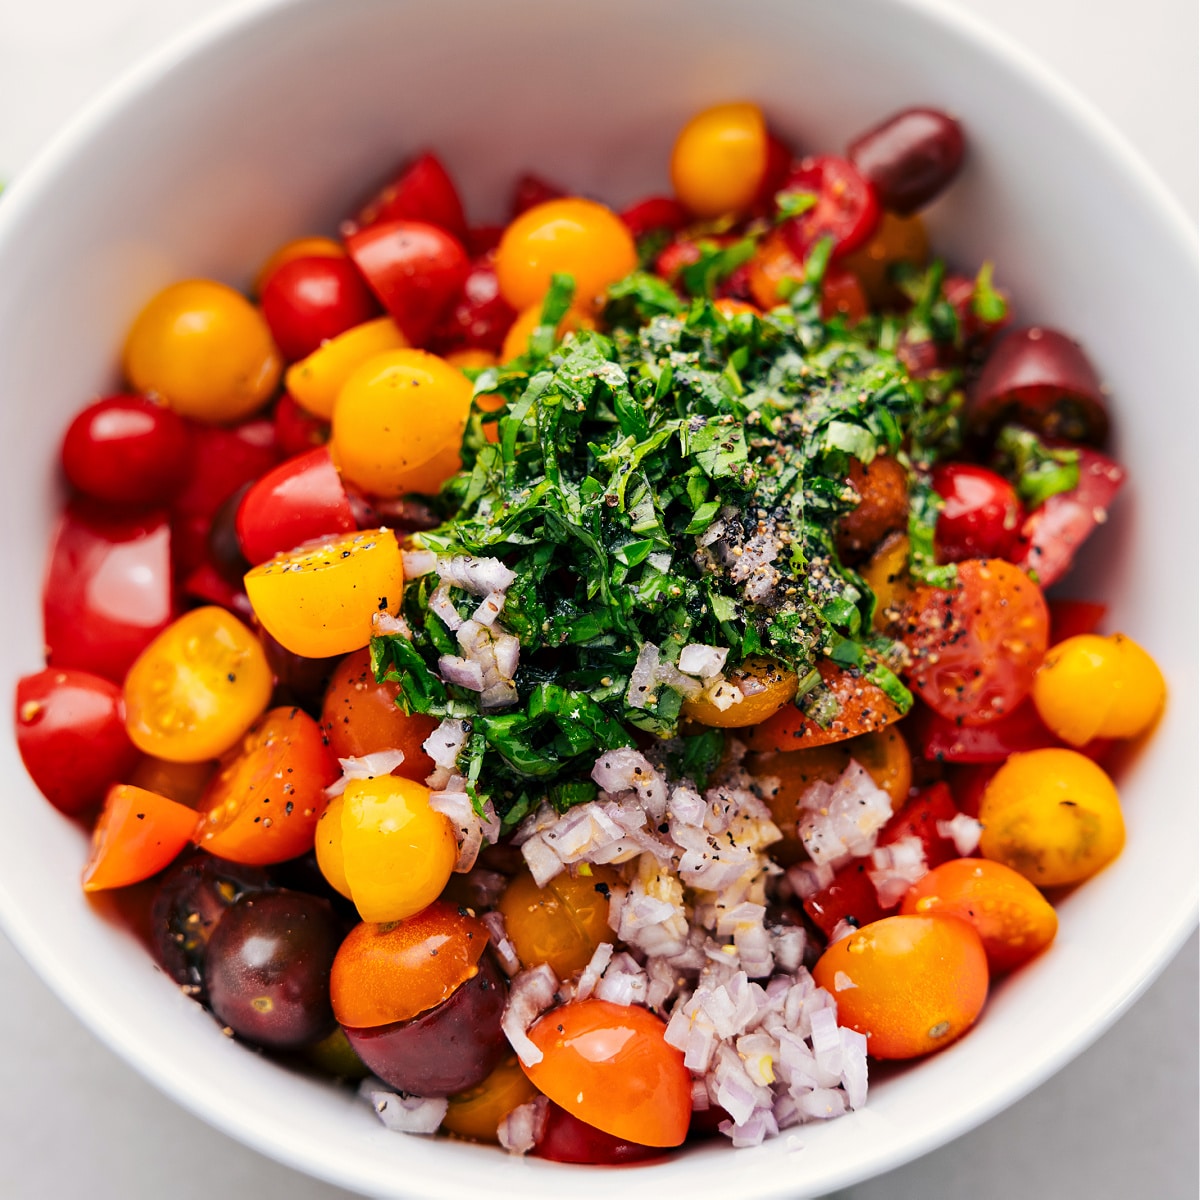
(19, 201)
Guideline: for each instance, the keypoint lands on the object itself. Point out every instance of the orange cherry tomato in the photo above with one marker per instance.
(896, 240)
(205, 349)
(396, 971)
(886, 574)
(570, 236)
(772, 687)
(318, 600)
(516, 341)
(609, 1065)
(912, 984)
(882, 487)
(182, 782)
(196, 688)
(314, 382)
(471, 358)
(719, 159)
(1014, 920)
(774, 263)
(302, 247)
(137, 834)
(398, 422)
(476, 1114)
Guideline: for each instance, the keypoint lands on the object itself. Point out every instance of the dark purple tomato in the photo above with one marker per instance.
(910, 158)
(567, 1139)
(448, 1049)
(267, 968)
(298, 680)
(126, 450)
(1040, 378)
(191, 897)
(224, 549)
(309, 300)
(981, 515)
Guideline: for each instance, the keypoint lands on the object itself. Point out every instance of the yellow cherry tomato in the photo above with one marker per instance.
(1053, 816)
(397, 852)
(516, 341)
(573, 237)
(318, 600)
(205, 349)
(886, 574)
(768, 687)
(331, 858)
(719, 159)
(471, 358)
(398, 422)
(314, 382)
(1091, 686)
(196, 689)
(476, 1114)
(301, 247)
(897, 240)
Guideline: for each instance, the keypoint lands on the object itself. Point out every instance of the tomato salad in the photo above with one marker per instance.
(592, 680)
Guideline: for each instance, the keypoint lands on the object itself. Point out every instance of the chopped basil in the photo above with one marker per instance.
(1036, 470)
(987, 303)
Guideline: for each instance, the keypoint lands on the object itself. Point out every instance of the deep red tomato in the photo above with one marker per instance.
(479, 316)
(296, 430)
(981, 514)
(299, 500)
(674, 256)
(126, 450)
(309, 300)
(1069, 618)
(919, 818)
(779, 166)
(531, 190)
(208, 586)
(842, 295)
(71, 735)
(415, 269)
(850, 897)
(483, 239)
(421, 190)
(655, 213)
(846, 208)
(959, 291)
(567, 1139)
(108, 590)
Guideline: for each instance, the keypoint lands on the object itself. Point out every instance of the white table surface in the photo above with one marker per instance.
(1121, 1120)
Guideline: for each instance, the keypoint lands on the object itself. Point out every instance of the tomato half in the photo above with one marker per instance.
(846, 210)
(137, 835)
(981, 515)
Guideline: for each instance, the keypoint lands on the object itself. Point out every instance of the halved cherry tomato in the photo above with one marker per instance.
(942, 739)
(182, 782)
(531, 190)
(896, 240)
(207, 585)
(886, 574)
(196, 688)
(476, 1114)
(316, 381)
(846, 210)
(415, 269)
(299, 500)
(479, 317)
(108, 591)
(719, 159)
(421, 190)
(266, 798)
(610, 1066)
(919, 818)
(775, 264)
(126, 450)
(912, 984)
(567, 1139)
(882, 488)
(137, 835)
(307, 301)
(981, 515)
(976, 648)
(319, 600)
(313, 246)
(842, 296)
(768, 688)
(851, 896)
(653, 214)
(71, 736)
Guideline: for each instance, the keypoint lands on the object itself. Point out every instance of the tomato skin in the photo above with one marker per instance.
(313, 246)
(896, 240)
(719, 160)
(477, 1112)
(847, 208)
(1068, 618)
(479, 317)
(138, 834)
(414, 269)
(108, 590)
(421, 190)
(919, 818)
(306, 301)
(777, 688)
(981, 515)
(940, 739)
(529, 191)
(851, 896)
(567, 1139)
(910, 158)
(609, 1065)
(297, 431)
(654, 213)
(301, 499)
(71, 736)
(126, 450)
(882, 487)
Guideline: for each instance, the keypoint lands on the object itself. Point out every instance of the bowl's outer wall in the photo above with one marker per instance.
(223, 148)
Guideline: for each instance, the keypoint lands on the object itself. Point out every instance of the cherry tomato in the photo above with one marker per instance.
(421, 190)
(307, 301)
(976, 328)
(850, 896)
(976, 648)
(609, 1065)
(653, 214)
(126, 450)
(137, 835)
(208, 586)
(882, 487)
(919, 818)
(575, 237)
(334, 1056)
(297, 431)
(71, 736)
(941, 739)
(1014, 920)
(264, 802)
(479, 317)
(896, 240)
(981, 515)
(108, 590)
(775, 265)
(719, 159)
(562, 923)
(205, 349)
(567, 1139)
(184, 783)
(516, 341)
(1068, 618)
(846, 210)
(1052, 815)
(842, 296)
(415, 269)
(360, 716)
(303, 247)
(398, 419)
(910, 158)
(316, 380)
(196, 688)
(476, 1113)
(862, 708)
(912, 984)
(319, 600)
(768, 688)
(886, 574)
(531, 190)
(1091, 686)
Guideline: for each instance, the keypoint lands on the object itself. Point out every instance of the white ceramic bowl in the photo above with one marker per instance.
(268, 123)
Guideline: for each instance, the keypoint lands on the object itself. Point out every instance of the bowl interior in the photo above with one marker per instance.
(274, 123)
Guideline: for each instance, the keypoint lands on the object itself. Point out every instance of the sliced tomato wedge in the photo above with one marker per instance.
(847, 209)
(653, 214)
(1070, 618)
(421, 190)
(138, 834)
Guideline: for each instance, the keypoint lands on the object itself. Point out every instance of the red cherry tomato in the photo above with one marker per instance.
(531, 190)
(299, 500)
(483, 239)
(846, 208)
(779, 166)
(71, 735)
(959, 291)
(842, 295)
(1070, 618)
(207, 585)
(919, 818)
(138, 834)
(981, 514)
(296, 430)
(567, 1139)
(126, 450)
(108, 590)
(479, 317)
(309, 300)
(653, 214)
(415, 269)
(422, 190)
(850, 897)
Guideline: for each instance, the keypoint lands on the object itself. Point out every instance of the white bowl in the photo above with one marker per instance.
(269, 122)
